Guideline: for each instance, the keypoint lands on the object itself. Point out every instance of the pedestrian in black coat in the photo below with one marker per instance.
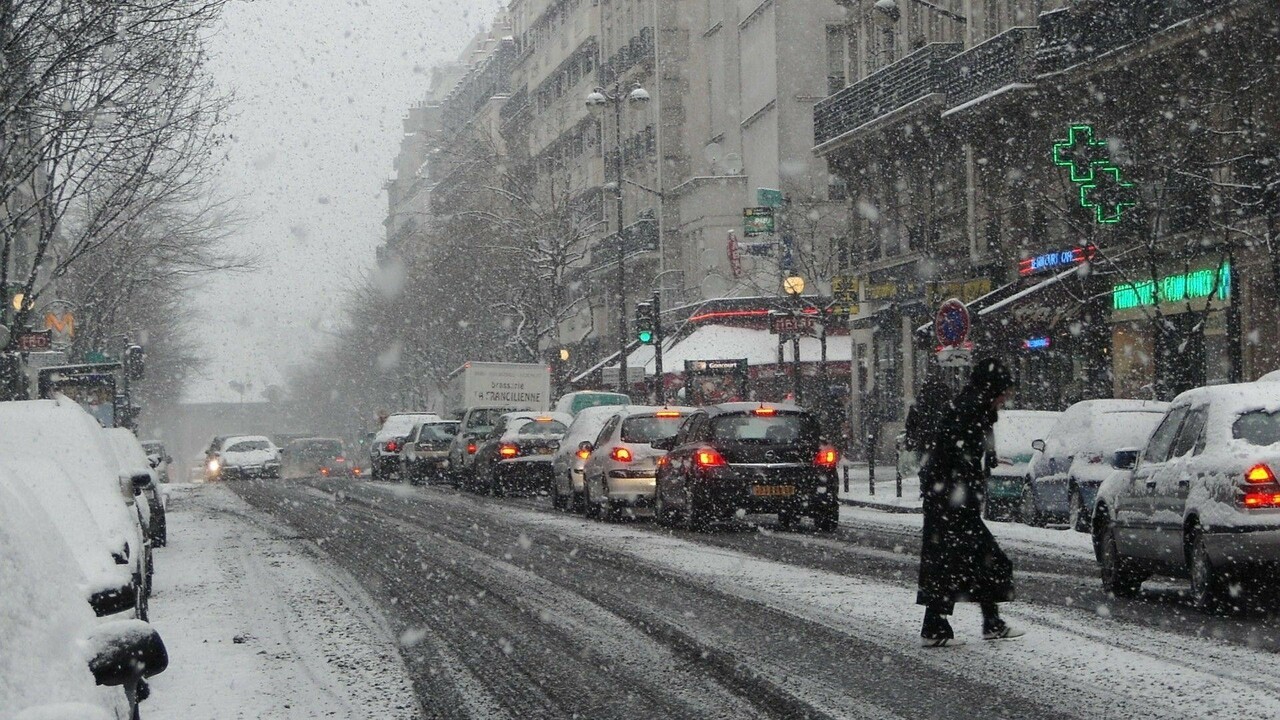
(959, 558)
(925, 418)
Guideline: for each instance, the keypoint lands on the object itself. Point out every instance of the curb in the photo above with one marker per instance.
(897, 509)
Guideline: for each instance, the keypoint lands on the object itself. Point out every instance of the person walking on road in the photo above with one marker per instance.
(926, 416)
(959, 558)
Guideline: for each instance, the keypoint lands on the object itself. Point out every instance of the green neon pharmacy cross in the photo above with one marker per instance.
(1108, 194)
(1081, 153)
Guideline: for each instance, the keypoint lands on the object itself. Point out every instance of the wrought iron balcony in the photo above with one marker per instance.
(1071, 36)
(922, 73)
(1006, 59)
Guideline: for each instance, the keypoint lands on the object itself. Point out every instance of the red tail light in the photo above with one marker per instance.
(765, 411)
(667, 414)
(356, 471)
(1259, 474)
(1262, 500)
(708, 458)
(621, 454)
(324, 471)
(507, 450)
(471, 448)
(393, 446)
(827, 458)
(584, 454)
(340, 459)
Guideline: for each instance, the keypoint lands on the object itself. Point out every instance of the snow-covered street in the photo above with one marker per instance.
(258, 624)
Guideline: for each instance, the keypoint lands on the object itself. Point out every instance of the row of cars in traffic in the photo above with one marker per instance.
(81, 512)
(1186, 488)
(608, 459)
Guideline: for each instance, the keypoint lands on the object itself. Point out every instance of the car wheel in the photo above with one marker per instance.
(1119, 576)
(828, 520)
(589, 507)
(1077, 516)
(1209, 587)
(696, 516)
(1027, 509)
(664, 515)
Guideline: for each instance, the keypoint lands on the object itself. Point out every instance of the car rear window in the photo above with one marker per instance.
(482, 422)
(1257, 427)
(543, 428)
(780, 429)
(442, 431)
(651, 428)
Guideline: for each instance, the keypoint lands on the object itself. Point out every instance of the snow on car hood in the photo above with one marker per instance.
(51, 668)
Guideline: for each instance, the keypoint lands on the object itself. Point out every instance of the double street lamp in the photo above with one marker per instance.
(597, 100)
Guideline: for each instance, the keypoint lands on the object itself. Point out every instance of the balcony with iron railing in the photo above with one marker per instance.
(918, 75)
(1004, 60)
(1074, 35)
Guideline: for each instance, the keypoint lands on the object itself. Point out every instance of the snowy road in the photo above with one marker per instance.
(507, 609)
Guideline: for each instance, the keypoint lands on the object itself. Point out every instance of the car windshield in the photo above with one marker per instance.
(542, 428)
(482, 422)
(437, 432)
(778, 429)
(322, 447)
(1257, 427)
(647, 429)
(248, 446)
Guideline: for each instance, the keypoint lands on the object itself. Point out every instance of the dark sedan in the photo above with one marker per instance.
(516, 456)
(749, 457)
(307, 457)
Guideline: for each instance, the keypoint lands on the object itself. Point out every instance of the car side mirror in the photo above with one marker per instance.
(667, 444)
(1037, 444)
(1125, 459)
(126, 651)
(586, 446)
(140, 482)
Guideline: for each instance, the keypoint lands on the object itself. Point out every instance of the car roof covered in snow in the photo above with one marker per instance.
(1228, 402)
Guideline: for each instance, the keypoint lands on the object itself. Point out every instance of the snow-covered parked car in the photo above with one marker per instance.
(61, 432)
(134, 462)
(248, 456)
(1014, 432)
(70, 665)
(1078, 454)
(1273, 376)
(1202, 501)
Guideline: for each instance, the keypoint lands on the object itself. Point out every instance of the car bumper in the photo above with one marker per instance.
(250, 471)
(1244, 547)
(634, 491)
(769, 496)
(532, 472)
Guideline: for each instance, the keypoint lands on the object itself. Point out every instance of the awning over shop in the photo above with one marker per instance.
(724, 342)
(1006, 295)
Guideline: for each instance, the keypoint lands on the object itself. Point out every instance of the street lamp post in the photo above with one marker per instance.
(794, 287)
(596, 101)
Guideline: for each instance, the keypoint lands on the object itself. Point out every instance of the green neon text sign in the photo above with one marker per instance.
(1215, 282)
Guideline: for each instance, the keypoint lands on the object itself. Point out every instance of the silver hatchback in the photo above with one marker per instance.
(620, 473)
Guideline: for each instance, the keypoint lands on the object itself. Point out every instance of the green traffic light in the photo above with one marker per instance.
(645, 336)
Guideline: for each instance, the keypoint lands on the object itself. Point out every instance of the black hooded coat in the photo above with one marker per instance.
(959, 557)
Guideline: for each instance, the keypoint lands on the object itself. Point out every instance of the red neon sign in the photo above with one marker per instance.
(1057, 259)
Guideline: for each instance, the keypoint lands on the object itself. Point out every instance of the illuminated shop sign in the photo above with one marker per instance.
(1037, 343)
(1055, 260)
(1210, 282)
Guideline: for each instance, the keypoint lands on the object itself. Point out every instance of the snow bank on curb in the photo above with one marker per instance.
(258, 627)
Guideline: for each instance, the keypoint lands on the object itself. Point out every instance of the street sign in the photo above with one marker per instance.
(609, 376)
(32, 341)
(791, 324)
(769, 197)
(951, 323)
(757, 221)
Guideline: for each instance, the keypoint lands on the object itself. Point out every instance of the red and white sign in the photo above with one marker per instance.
(951, 323)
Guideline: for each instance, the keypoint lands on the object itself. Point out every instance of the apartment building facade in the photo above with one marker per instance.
(1065, 170)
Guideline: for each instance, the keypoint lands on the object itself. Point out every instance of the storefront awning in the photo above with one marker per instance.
(1006, 295)
(724, 342)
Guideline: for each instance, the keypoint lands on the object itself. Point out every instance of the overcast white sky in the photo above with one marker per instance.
(321, 86)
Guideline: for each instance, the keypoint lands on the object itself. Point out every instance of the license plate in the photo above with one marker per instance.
(773, 490)
(546, 451)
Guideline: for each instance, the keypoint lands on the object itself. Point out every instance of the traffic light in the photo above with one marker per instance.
(645, 323)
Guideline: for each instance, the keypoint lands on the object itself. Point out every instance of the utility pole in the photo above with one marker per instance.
(661, 390)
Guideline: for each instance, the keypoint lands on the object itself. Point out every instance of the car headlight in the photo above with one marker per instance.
(214, 465)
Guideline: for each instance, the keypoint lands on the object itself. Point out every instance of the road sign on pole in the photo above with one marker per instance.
(768, 197)
(951, 323)
(757, 221)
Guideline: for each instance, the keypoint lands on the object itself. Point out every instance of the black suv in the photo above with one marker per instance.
(759, 458)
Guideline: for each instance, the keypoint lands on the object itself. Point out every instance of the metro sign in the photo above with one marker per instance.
(1057, 259)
